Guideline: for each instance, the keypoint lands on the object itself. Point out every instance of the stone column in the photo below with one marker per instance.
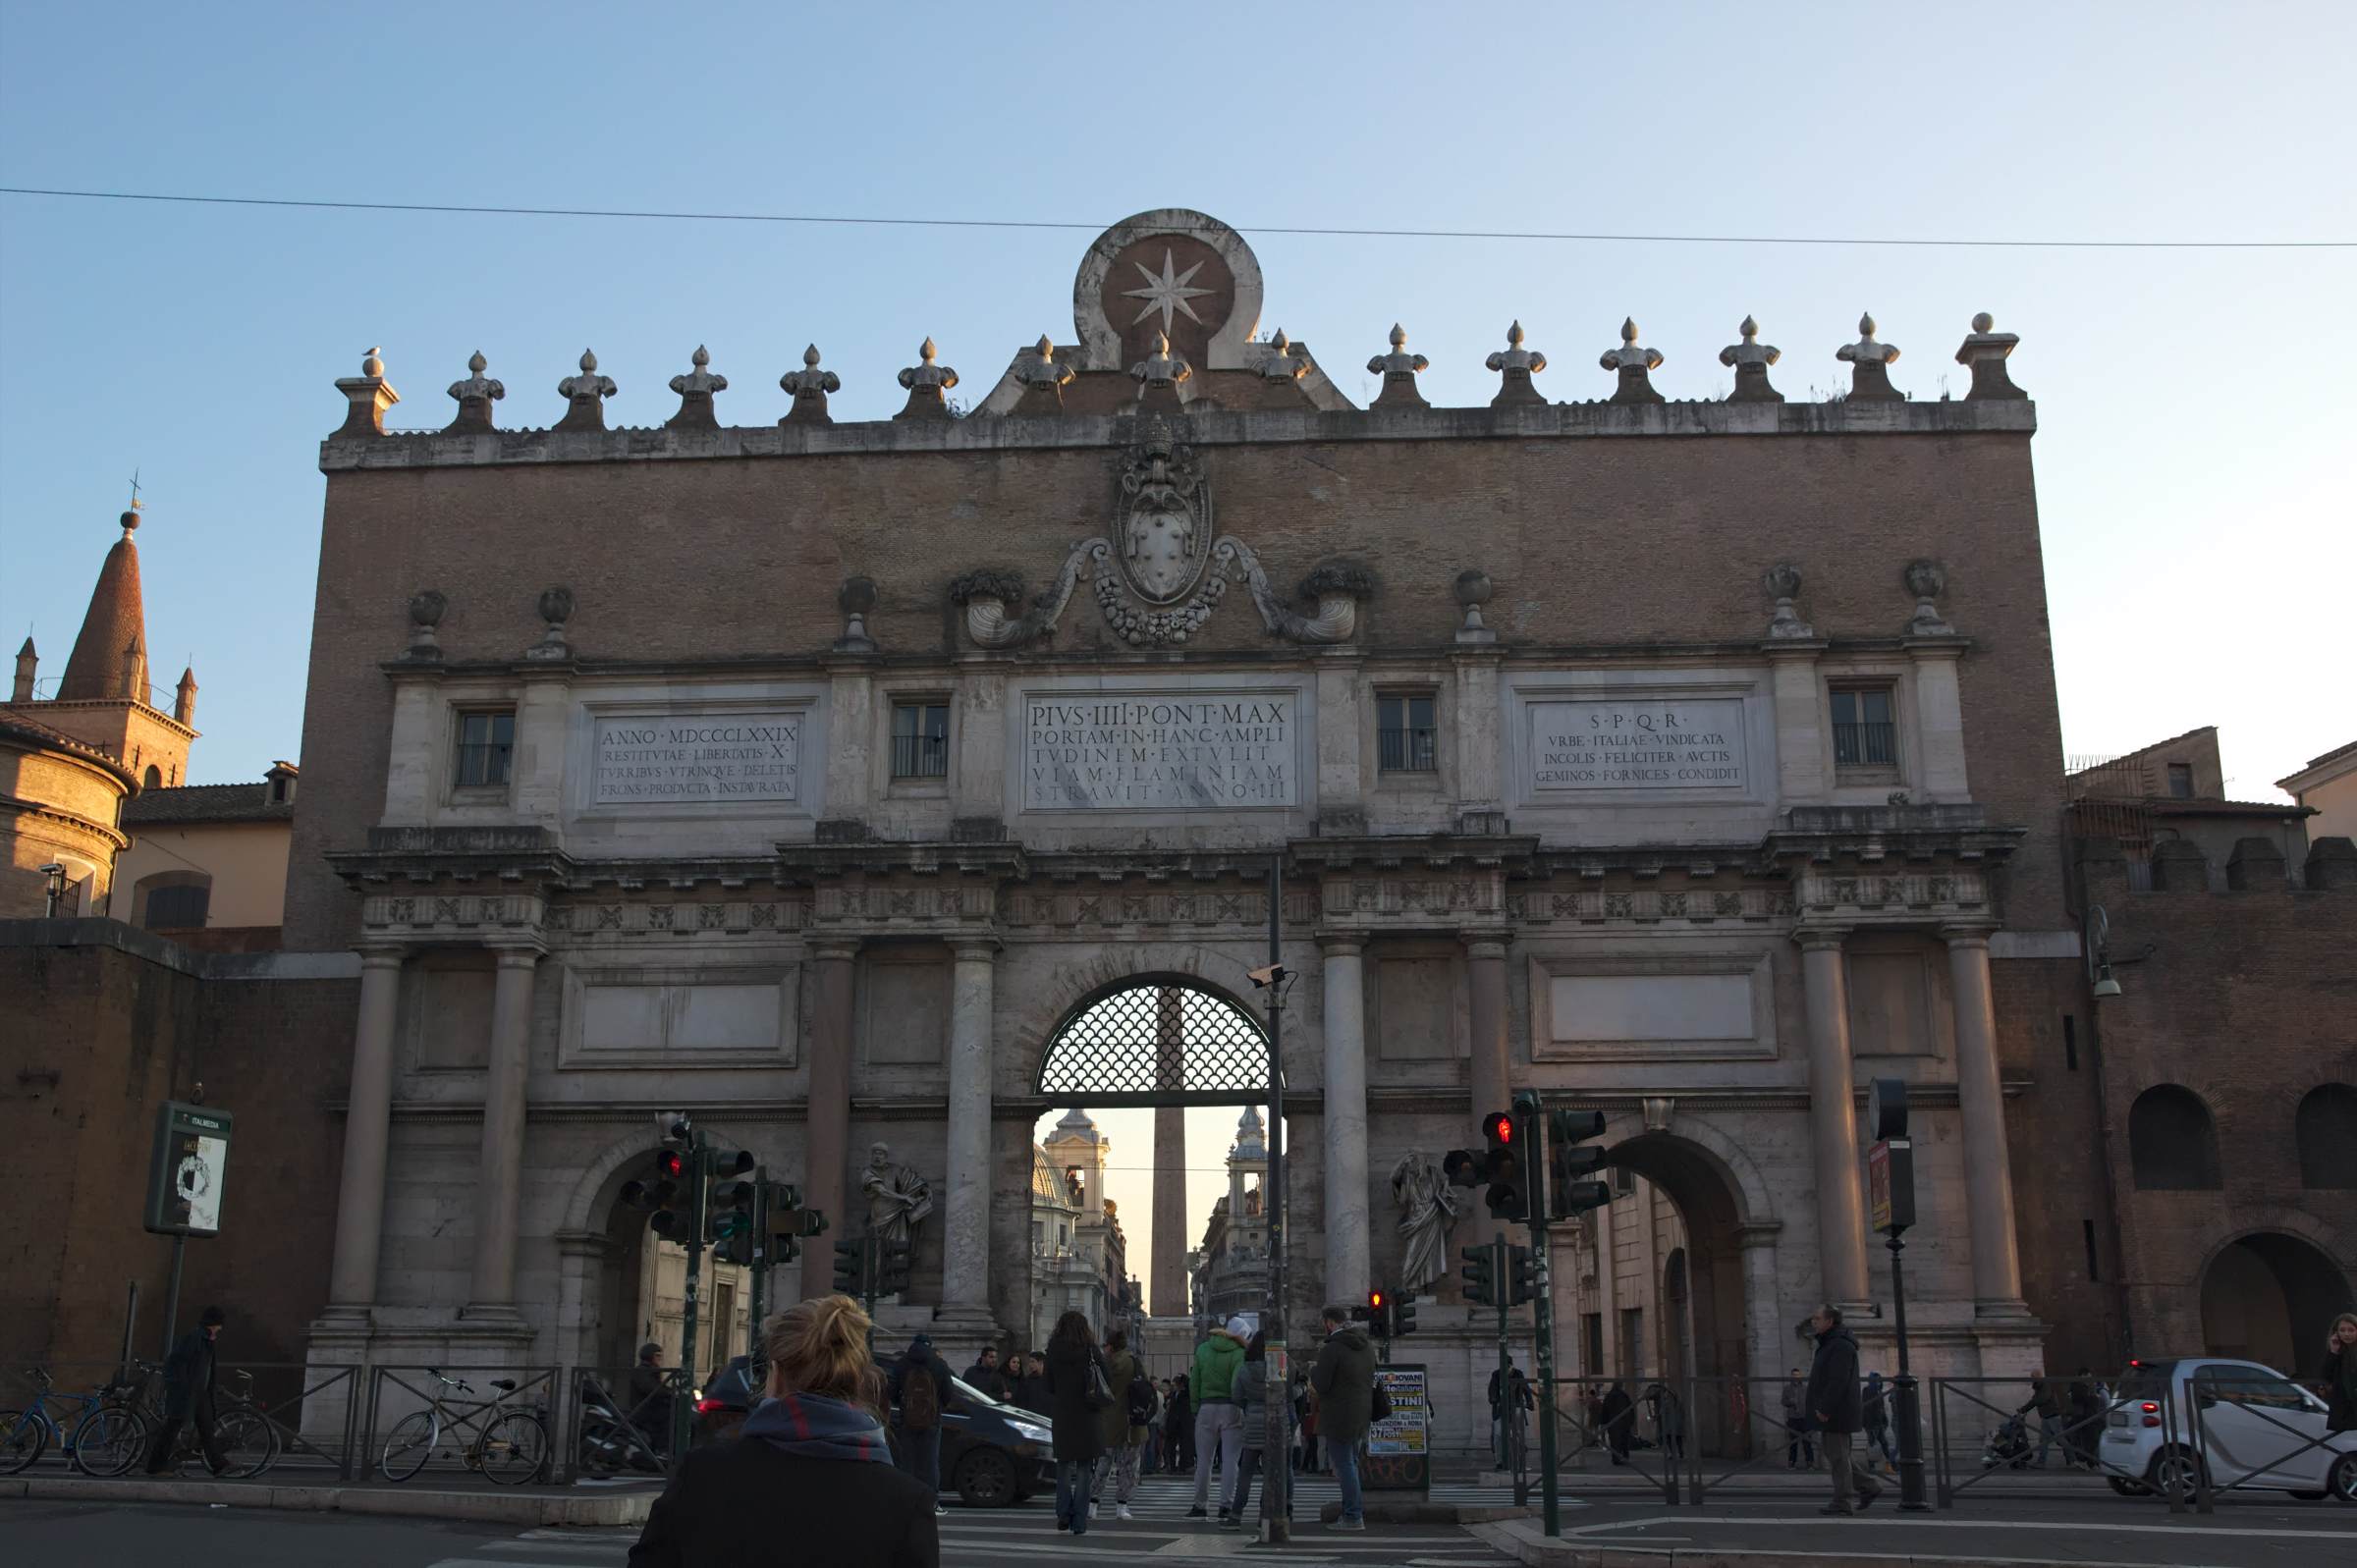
(1167, 1282)
(367, 1128)
(1833, 1117)
(1485, 953)
(827, 1123)
(498, 1186)
(966, 1209)
(1988, 1171)
(1348, 1260)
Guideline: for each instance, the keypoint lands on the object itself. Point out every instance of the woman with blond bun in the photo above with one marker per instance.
(810, 1477)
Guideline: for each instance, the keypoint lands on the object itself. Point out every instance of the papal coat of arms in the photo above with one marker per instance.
(1158, 572)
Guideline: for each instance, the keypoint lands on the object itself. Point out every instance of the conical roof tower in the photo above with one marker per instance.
(117, 619)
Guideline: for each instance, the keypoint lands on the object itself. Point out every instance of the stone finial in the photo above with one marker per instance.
(426, 607)
(808, 387)
(1870, 365)
(1635, 365)
(1750, 359)
(475, 395)
(855, 598)
(1398, 370)
(1782, 582)
(369, 395)
(585, 394)
(1985, 352)
(1515, 365)
(184, 697)
(555, 608)
(1281, 370)
(926, 383)
(27, 663)
(695, 390)
(1042, 377)
(1927, 581)
(1473, 590)
(1159, 376)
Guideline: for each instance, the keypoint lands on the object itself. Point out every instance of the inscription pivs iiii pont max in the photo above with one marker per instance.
(1171, 753)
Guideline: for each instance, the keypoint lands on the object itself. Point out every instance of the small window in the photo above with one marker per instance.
(2325, 1130)
(1406, 734)
(152, 778)
(178, 908)
(2087, 1234)
(920, 740)
(1864, 736)
(2180, 780)
(2070, 1043)
(1625, 1182)
(2172, 1142)
(486, 749)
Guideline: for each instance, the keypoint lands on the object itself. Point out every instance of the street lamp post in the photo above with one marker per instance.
(1274, 1478)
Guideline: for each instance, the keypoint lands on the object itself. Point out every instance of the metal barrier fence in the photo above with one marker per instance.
(608, 1431)
(1582, 1423)
(2264, 1432)
(1988, 1432)
(465, 1415)
(310, 1409)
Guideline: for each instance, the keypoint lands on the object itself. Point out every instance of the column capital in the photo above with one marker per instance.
(518, 954)
(1486, 942)
(1964, 934)
(383, 954)
(974, 947)
(830, 947)
(1341, 943)
(1816, 939)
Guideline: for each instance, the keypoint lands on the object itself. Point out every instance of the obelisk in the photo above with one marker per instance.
(1166, 1285)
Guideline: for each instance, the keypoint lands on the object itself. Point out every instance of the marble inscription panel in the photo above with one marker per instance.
(1643, 744)
(1160, 751)
(660, 759)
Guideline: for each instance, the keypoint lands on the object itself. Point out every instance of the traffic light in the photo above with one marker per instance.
(1502, 1163)
(1572, 1159)
(1523, 1278)
(1403, 1317)
(657, 1191)
(892, 1267)
(1379, 1312)
(850, 1268)
(1480, 1274)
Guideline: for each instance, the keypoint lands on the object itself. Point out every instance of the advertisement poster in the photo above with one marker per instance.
(1399, 1447)
(186, 1170)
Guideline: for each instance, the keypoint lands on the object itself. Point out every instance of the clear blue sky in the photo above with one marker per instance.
(2194, 460)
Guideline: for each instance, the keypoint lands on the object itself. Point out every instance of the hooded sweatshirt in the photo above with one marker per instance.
(818, 1428)
(1216, 1360)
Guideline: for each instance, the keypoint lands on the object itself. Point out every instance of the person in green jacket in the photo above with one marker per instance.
(1219, 1424)
(1121, 1435)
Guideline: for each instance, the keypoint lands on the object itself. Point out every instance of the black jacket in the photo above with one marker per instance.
(1832, 1403)
(1076, 1424)
(909, 1366)
(1031, 1393)
(744, 1504)
(991, 1380)
(2340, 1391)
(188, 1376)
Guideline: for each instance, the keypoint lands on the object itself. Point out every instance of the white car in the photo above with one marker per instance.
(2258, 1431)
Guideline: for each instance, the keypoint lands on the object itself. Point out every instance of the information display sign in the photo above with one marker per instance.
(186, 1170)
(1398, 1456)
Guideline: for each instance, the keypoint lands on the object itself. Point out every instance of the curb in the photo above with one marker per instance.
(1522, 1541)
(1396, 1512)
(607, 1509)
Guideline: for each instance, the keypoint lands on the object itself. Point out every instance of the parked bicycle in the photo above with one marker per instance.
(113, 1438)
(28, 1434)
(510, 1446)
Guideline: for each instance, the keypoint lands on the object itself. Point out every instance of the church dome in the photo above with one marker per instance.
(1047, 1182)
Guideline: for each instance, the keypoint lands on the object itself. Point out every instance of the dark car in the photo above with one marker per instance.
(992, 1455)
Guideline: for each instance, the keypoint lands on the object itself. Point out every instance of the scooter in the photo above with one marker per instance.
(610, 1441)
(2010, 1445)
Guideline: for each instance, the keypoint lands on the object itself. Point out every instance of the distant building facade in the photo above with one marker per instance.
(2328, 786)
(206, 865)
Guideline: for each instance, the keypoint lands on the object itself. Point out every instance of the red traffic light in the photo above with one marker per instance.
(1375, 1300)
(669, 1162)
(1498, 1128)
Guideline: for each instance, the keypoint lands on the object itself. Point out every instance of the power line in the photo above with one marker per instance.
(1563, 236)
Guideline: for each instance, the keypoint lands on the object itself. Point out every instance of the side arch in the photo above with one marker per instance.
(591, 1200)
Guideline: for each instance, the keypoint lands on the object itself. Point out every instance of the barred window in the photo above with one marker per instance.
(1864, 736)
(920, 740)
(1407, 740)
(486, 748)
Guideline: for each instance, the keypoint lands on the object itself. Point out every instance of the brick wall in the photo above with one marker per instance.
(103, 1024)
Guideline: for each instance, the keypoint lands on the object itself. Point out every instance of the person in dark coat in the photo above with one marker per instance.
(1177, 1426)
(2084, 1414)
(809, 1478)
(985, 1377)
(1618, 1413)
(1343, 1379)
(1076, 1424)
(917, 1416)
(1031, 1384)
(650, 1397)
(189, 1394)
(2340, 1375)
(1836, 1408)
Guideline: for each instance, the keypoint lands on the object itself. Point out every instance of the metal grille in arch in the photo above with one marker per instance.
(1162, 1040)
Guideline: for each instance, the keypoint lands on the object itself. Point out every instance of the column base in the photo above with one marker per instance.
(493, 1314)
(960, 1331)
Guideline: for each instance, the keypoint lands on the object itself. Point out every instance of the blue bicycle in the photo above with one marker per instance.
(98, 1436)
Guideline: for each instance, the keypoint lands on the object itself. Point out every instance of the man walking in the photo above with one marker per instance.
(1799, 1448)
(2047, 1400)
(1121, 1425)
(921, 1393)
(1219, 1424)
(1833, 1404)
(1343, 1381)
(189, 1394)
(985, 1377)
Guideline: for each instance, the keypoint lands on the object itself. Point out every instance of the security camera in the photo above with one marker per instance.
(1265, 976)
(55, 868)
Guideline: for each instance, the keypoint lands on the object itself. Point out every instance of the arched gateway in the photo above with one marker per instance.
(1156, 1040)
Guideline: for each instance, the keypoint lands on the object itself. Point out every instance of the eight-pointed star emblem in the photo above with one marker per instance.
(1168, 293)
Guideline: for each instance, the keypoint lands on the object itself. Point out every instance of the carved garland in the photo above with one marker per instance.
(992, 599)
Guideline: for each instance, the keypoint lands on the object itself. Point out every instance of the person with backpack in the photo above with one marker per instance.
(921, 1393)
(1124, 1424)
